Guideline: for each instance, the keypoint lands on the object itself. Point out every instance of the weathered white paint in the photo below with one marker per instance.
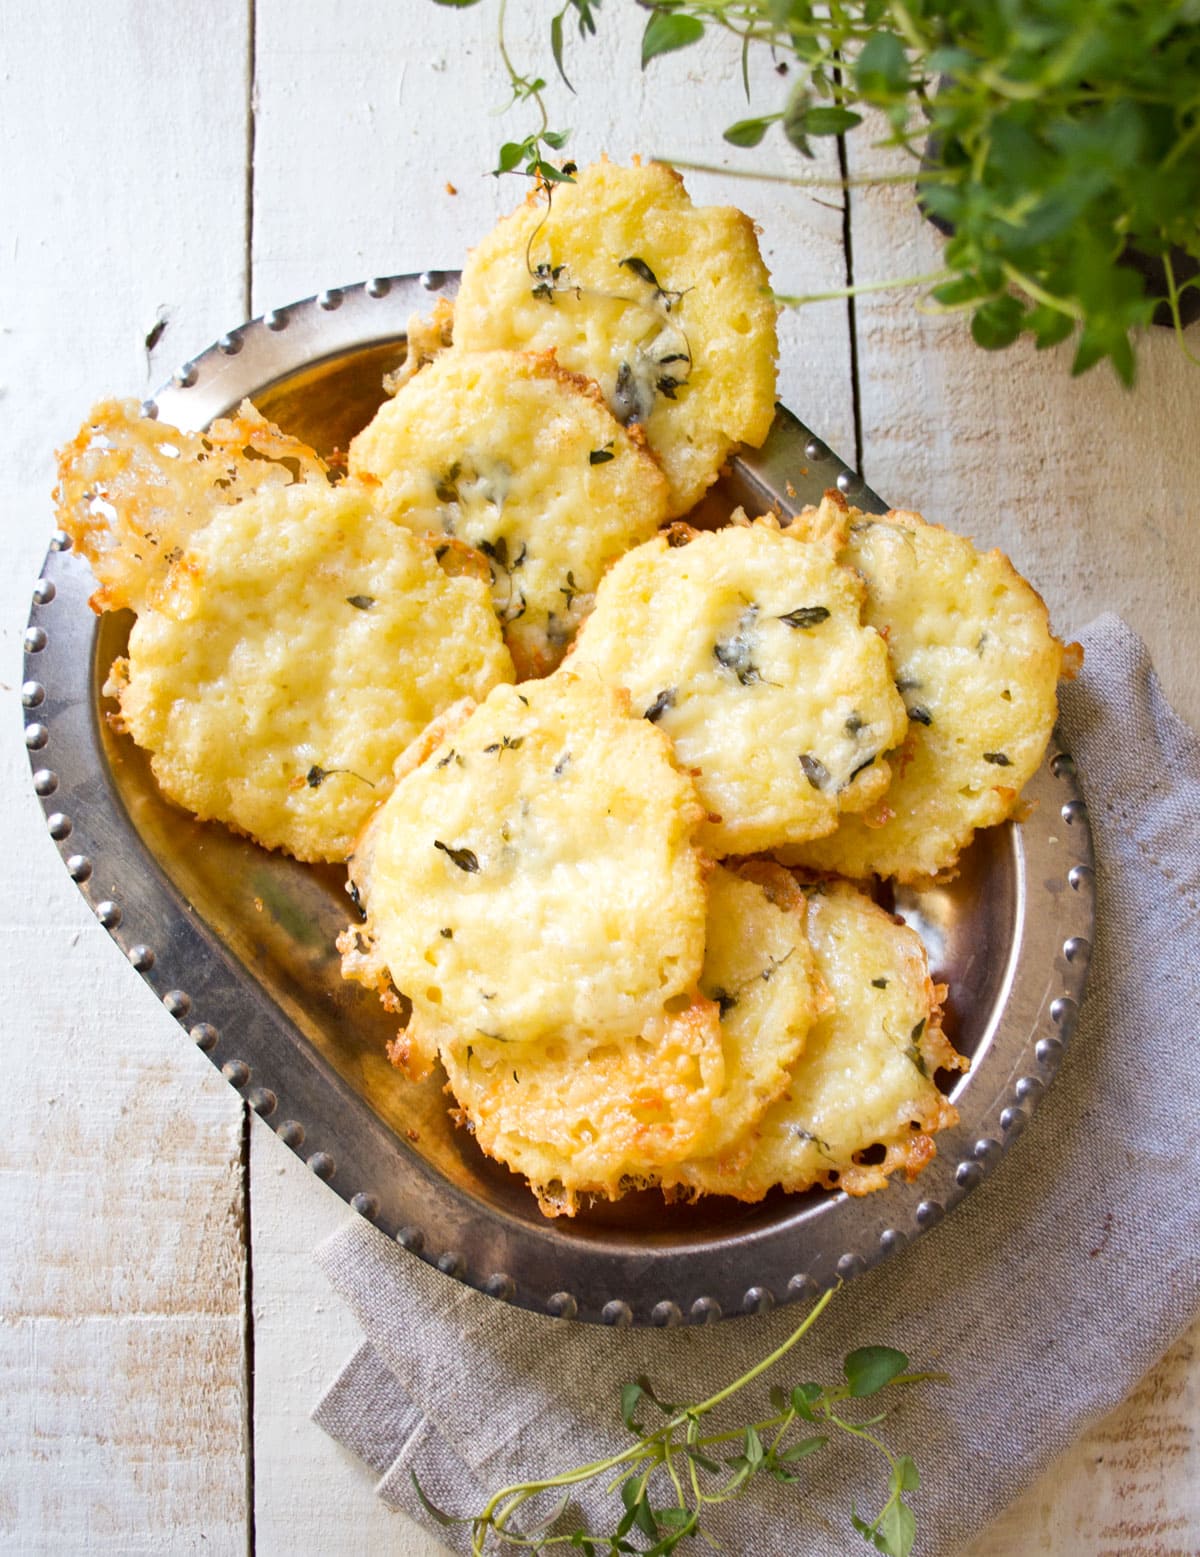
(1091, 489)
(309, 1492)
(124, 135)
(122, 1364)
(364, 120)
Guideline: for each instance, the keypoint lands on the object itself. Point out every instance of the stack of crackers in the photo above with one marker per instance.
(616, 794)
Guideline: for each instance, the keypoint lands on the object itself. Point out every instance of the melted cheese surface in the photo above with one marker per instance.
(132, 491)
(977, 665)
(665, 304)
(747, 649)
(297, 647)
(535, 875)
(509, 453)
(864, 1077)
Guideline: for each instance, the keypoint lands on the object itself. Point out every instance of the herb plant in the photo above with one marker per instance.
(1057, 141)
(682, 1464)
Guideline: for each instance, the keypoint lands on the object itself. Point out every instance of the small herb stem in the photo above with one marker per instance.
(1039, 294)
(755, 176)
(894, 284)
(1173, 294)
(760, 1368)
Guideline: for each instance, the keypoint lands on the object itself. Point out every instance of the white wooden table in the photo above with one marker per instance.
(163, 1332)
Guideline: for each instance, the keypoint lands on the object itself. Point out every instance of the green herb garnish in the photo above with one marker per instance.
(736, 654)
(862, 767)
(664, 700)
(806, 616)
(687, 1458)
(317, 775)
(1054, 141)
(465, 859)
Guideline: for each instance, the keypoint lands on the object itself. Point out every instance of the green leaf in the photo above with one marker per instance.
(748, 132)
(801, 1450)
(870, 1368)
(587, 22)
(906, 1477)
(997, 323)
(1049, 325)
(866, 1530)
(803, 1397)
(633, 1495)
(963, 289)
(898, 1528)
(667, 31)
(830, 121)
(881, 70)
(626, 1523)
(556, 47)
(794, 115)
(456, 5)
(511, 154)
(631, 1394)
(948, 61)
(550, 173)
(778, 1397)
(754, 1449)
(647, 1387)
(434, 1512)
(1100, 340)
(556, 138)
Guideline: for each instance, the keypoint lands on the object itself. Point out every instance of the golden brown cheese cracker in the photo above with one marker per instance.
(427, 336)
(760, 971)
(667, 305)
(746, 647)
(522, 460)
(298, 646)
(534, 875)
(133, 491)
(865, 1077)
(977, 665)
(594, 1121)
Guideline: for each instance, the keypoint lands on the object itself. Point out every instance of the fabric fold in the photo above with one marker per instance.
(1046, 1296)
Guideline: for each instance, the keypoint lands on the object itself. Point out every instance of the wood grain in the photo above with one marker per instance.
(153, 183)
(121, 1315)
(361, 125)
(305, 1484)
(1090, 488)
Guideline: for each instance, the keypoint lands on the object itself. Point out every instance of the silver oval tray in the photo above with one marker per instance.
(238, 943)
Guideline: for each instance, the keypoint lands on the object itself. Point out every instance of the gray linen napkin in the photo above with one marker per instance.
(1046, 1296)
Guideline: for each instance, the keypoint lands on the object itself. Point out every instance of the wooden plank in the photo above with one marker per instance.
(308, 1490)
(362, 124)
(121, 1420)
(1129, 1488)
(1088, 487)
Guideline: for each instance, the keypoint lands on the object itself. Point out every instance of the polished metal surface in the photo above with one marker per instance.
(238, 943)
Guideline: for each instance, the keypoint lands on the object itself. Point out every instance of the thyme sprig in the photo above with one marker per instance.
(1055, 141)
(532, 155)
(671, 1476)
